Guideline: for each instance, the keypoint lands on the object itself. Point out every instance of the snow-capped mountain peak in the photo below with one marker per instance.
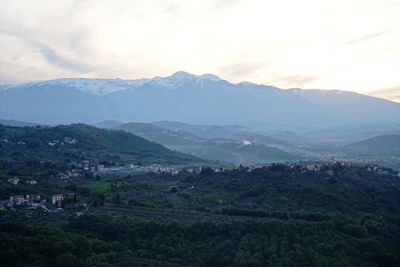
(103, 87)
(180, 75)
(174, 80)
(180, 78)
(211, 77)
(90, 85)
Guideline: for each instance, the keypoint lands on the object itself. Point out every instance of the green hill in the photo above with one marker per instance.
(80, 141)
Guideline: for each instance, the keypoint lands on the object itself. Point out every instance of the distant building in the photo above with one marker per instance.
(246, 142)
(63, 176)
(70, 196)
(100, 167)
(57, 199)
(33, 197)
(312, 167)
(17, 200)
(330, 172)
(69, 140)
(72, 174)
(13, 181)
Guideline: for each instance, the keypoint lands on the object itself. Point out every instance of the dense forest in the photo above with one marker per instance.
(101, 240)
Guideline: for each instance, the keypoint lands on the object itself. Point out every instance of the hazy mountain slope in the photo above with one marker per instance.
(225, 150)
(237, 152)
(108, 124)
(353, 133)
(160, 135)
(184, 97)
(217, 131)
(86, 142)
(384, 144)
(288, 137)
(275, 138)
(356, 106)
(383, 150)
(17, 123)
(52, 104)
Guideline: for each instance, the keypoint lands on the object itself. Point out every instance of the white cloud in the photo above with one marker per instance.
(349, 45)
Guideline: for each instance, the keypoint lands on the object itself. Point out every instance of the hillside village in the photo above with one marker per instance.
(57, 202)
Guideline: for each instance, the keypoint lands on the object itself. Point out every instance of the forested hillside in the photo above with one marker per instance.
(80, 141)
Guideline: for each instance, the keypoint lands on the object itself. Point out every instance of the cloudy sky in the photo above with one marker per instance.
(331, 44)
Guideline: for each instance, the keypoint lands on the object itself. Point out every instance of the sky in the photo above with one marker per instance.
(331, 44)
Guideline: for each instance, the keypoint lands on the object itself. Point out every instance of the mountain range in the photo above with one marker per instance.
(203, 99)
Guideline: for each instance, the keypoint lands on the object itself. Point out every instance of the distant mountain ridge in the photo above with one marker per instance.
(384, 144)
(108, 124)
(217, 131)
(203, 99)
(17, 123)
(217, 147)
(353, 133)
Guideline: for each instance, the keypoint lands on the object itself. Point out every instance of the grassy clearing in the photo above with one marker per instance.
(97, 187)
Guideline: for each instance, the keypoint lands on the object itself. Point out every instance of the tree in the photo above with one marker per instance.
(66, 260)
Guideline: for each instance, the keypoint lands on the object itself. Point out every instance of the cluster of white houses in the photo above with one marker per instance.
(33, 201)
(316, 166)
(302, 165)
(63, 141)
(131, 168)
(16, 180)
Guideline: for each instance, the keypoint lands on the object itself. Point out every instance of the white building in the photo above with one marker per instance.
(17, 200)
(57, 199)
(33, 197)
(13, 181)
